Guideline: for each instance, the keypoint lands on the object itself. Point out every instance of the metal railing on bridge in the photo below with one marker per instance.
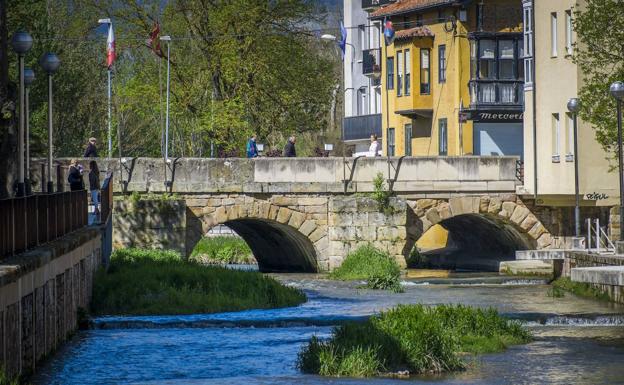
(30, 221)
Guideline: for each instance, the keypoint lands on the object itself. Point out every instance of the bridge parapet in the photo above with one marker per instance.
(468, 174)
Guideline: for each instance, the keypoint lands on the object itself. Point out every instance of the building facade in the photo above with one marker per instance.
(452, 81)
(362, 71)
(548, 126)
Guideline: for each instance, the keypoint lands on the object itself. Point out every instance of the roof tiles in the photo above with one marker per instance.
(403, 6)
(413, 32)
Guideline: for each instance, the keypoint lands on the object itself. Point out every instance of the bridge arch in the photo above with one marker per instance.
(281, 239)
(479, 232)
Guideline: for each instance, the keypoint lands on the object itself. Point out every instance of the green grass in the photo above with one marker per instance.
(376, 267)
(413, 338)
(578, 288)
(144, 282)
(222, 250)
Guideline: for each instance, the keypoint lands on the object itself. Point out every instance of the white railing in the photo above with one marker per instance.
(597, 238)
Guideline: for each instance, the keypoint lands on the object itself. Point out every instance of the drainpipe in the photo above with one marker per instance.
(534, 101)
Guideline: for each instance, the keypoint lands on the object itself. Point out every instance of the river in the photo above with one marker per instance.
(578, 341)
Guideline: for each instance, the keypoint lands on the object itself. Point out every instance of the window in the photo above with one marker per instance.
(442, 137)
(390, 141)
(399, 73)
(507, 59)
(390, 71)
(570, 138)
(362, 40)
(362, 103)
(553, 34)
(555, 137)
(425, 72)
(408, 71)
(569, 32)
(528, 44)
(419, 20)
(442, 64)
(408, 139)
(487, 59)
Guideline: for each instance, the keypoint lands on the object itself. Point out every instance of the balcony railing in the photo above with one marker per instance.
(496, 93)
(371, 62)
(368, 4)
(361, 127)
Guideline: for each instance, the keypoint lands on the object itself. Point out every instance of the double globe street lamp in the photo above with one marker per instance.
(617, 91)
(21, 43)
(50, 64)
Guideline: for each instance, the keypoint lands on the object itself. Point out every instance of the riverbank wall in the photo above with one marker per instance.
(41, 294)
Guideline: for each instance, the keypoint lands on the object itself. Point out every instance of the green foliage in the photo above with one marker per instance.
(578, 288)
(599, 25)
(237, 67)
(416, 338)
(160, 282)
(381, 195)
(375, 266)
(6, 380)
(222, 250)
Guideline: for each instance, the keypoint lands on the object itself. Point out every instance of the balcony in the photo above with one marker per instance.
(361, 127)
(371, 62)
(372, 4)
(496, 93)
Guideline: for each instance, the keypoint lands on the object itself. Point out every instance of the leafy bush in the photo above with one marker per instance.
(381, 195)
(222, 250)
(416, 338)
(375, 266)
(160, 282)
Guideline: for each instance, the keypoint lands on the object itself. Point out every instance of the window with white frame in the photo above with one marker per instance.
(399, 73)
(569, 137)
(556, 137)
(553, 34)
(528, 43)
(568, 15)
(408, 71)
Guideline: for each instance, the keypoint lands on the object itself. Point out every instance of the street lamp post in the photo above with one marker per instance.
(167, 38)
(29, 77)
(617, 91)
(574, 105)
(21, 43)
(50, 63)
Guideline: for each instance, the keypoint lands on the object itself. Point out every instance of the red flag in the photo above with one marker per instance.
(154, 40)
(110, 47)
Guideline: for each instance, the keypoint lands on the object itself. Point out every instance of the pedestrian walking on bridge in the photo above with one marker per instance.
(252, 147)
(289, 149)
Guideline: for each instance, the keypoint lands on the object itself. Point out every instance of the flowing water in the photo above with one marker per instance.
(578, 341)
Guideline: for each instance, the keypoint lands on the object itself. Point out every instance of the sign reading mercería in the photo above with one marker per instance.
(497, 116)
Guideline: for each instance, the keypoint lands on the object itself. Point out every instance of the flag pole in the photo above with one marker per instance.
(110, 138)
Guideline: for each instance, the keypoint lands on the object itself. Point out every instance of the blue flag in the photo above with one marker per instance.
(343, 39)
(388, 32)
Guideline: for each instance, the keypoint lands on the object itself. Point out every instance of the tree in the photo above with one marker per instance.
(8, 129)
(599, 53)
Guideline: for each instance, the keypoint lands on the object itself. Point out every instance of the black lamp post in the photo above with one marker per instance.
(50, 63)
(21, 43)
(29, 77)
(617, 91)
(574, 105)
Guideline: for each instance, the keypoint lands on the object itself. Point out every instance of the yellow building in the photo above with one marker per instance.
(452, 81)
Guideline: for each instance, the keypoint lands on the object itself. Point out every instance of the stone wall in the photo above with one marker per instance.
(153, 224)
(40, 294)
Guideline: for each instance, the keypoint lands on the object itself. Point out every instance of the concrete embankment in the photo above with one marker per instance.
(41, 292)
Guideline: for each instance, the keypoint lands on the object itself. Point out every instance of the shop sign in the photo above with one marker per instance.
(497, 116)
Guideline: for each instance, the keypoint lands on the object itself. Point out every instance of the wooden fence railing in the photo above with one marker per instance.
(33, 220)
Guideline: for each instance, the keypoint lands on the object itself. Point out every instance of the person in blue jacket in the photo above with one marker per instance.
(252, 148)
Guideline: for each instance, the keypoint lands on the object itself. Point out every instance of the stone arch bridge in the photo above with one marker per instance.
(307, 214)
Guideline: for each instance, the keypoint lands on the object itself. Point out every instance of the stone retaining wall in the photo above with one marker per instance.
(40, 294)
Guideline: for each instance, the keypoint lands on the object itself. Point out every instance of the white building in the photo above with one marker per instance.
(362, 71)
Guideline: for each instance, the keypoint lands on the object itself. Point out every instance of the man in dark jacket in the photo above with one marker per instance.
(91, 151)
(289, 149)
